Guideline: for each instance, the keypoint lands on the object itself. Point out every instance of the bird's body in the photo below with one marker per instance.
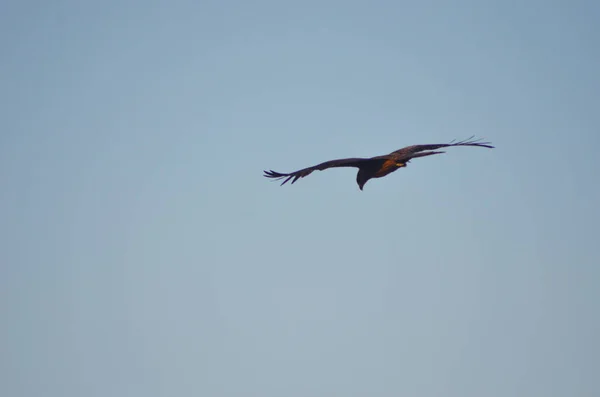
(375, 167)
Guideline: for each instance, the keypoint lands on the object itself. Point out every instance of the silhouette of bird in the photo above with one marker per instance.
(379, 166)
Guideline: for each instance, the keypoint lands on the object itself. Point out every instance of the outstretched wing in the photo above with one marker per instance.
(294, 176)
(410, 152)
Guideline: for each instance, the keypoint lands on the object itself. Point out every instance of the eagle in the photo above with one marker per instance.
(379, 166)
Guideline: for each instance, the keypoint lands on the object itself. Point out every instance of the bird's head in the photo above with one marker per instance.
(361, 178)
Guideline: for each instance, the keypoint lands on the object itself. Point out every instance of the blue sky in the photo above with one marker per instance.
(143, 253)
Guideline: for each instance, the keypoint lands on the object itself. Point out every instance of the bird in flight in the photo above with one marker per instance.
(376, 167)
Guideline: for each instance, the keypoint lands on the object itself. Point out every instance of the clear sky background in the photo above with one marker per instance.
(143, 253)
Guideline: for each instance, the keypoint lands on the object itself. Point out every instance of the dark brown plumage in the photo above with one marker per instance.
(376, 167)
